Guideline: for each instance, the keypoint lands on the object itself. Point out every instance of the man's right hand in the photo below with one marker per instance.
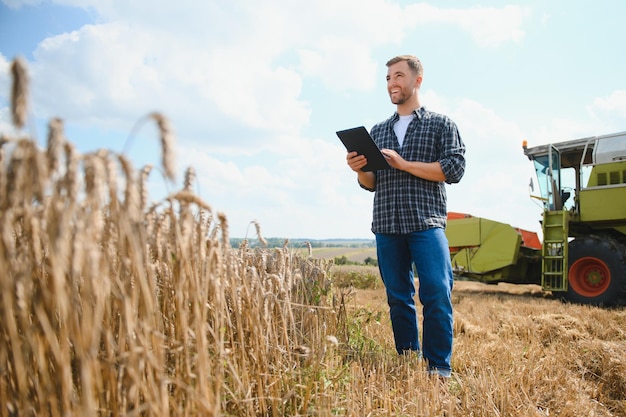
(356, 161)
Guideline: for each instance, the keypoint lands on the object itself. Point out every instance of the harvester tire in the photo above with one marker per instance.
(597, 271)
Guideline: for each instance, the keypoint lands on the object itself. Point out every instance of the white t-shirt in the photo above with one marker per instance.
(400, 127)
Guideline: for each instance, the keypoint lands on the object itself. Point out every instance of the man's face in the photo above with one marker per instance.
(402, 83)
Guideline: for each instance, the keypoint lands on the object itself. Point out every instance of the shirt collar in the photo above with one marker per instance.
(419, 113)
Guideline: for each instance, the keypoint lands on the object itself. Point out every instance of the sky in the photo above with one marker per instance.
(255, 91)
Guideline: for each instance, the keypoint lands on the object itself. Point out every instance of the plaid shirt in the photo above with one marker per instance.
(404, 203)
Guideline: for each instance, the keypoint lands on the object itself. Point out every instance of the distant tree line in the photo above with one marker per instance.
(343, 260)
(277, 242)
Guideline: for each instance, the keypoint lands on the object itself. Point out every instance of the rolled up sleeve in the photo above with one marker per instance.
(453, 159)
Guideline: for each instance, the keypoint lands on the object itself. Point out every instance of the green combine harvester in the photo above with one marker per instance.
(582, 258)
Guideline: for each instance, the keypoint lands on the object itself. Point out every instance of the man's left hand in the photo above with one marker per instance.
(393, 158)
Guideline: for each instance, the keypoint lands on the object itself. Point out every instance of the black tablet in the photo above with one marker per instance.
(358, 139)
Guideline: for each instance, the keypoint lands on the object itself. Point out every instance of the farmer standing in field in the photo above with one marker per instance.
(425, 151)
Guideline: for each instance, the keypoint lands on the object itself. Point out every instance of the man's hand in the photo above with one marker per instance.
(356, 161)
(427, 170)
(393, 158)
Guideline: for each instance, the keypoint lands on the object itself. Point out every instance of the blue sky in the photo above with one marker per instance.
(256, 90)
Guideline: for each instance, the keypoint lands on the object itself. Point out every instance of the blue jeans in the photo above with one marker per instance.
(428, 250)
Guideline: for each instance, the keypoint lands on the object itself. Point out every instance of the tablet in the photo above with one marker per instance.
(358, 139)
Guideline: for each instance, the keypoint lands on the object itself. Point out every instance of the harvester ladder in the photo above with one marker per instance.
(554, 264)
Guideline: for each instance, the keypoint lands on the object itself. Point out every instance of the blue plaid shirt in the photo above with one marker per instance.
(404, 203)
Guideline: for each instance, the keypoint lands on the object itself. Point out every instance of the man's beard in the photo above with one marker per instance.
(400, 98)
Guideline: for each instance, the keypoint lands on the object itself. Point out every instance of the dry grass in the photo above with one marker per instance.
(540, 354)
(519, 352)
(357, 276)
(113, 308)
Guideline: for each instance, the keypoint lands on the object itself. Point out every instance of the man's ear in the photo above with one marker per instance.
(418, 82)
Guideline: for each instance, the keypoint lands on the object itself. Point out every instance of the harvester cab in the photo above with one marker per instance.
(582, 186)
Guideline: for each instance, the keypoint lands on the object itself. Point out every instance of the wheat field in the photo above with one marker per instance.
(115, 306)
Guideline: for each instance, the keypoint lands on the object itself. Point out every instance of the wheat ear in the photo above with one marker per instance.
(19, 92)
(257, 226)
(167, 144)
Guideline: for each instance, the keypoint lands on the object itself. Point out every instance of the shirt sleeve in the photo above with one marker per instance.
(452, 160)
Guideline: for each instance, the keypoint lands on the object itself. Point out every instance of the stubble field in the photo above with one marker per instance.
(352, 254)
(520, 352)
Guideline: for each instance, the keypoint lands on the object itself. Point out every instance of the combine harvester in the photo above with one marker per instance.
(583, 255)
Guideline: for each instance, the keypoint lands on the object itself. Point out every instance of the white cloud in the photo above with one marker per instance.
(613, 106)
(205, 64)
(341, 64)
(606, 115)
(311, 191)
(495, 184)
(101, 72)
(561, 129)
(107, 73)
(5, 126)
(113, 69)
(5, 76)
(488, 26)
(257, 94)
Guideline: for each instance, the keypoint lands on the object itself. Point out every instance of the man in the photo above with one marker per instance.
(425, 151)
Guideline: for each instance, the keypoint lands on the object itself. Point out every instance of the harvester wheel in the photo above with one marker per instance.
(597, 271)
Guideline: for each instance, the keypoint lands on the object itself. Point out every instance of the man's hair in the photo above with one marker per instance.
(412, 60)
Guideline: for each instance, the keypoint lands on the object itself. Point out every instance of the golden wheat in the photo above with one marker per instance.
(99, 316)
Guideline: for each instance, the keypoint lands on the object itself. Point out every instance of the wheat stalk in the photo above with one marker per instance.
(257, 226)
(167, 144)
(19, 92)
(56, 140)
(143, 186)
